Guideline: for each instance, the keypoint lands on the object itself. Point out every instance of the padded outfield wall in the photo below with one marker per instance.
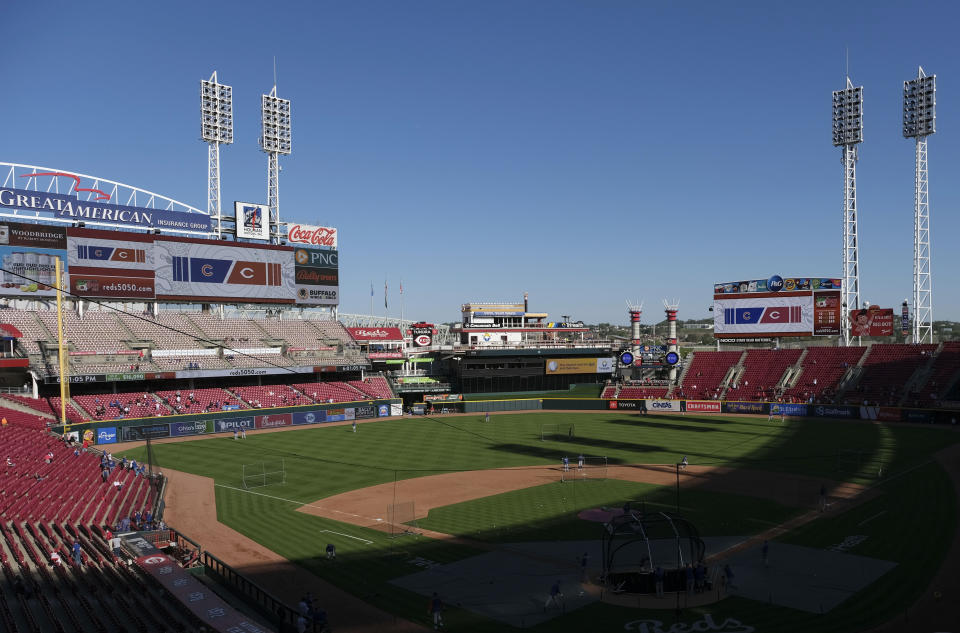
(192, 424)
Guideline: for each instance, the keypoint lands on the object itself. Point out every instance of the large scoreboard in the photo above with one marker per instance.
(777, 307)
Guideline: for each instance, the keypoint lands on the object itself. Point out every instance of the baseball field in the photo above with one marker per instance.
(483, 513)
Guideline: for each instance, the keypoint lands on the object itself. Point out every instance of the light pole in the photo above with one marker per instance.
(275, 139)
(848, 133)
(919, 122)
(216, 127)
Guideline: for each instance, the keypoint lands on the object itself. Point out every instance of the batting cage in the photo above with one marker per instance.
(402, 518)
(557, 432)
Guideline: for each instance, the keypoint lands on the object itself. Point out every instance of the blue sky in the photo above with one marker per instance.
(585, 152)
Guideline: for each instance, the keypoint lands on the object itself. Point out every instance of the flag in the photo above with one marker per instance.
(371, 288)
(384, 294)
(401, 286)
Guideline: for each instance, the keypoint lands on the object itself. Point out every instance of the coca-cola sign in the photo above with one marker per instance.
(324, 236)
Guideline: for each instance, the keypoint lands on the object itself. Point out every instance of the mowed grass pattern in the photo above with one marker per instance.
(323, 461)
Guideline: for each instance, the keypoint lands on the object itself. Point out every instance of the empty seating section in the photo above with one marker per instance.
(235, 332)
(375, 387)
(635, 392)
(762, 370)
(95, 332)
(297, 332)
(24, 419)
(158, 330)
(334, 330)
(821, 371)
(609, 391)
(175, 363)
(886, 370)
(256, 360)
(329, 391)
(119, 406)
(72, 414)
(31, 328)
(705, 377)
(271, 396)
(37, 404)
(942, 374)
(202, 400)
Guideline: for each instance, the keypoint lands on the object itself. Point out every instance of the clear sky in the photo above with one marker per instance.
(585, 152)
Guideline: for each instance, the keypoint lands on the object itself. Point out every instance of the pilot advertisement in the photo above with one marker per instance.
(317, 276)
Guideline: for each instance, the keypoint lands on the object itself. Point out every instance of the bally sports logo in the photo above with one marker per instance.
(273, 421)
(111, 254)
(225, 271)
(749, 316)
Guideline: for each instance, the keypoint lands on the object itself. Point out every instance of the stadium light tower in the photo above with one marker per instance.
(919, 122)
(216, 127)
(275, 139)
(848, 133)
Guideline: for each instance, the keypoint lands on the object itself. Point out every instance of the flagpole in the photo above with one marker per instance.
(371, 298)
(401, 305)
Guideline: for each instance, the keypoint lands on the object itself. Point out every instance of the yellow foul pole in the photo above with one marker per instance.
(63, 350)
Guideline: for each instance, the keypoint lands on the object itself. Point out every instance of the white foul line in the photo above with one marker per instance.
(871, 518)
(299, 503)
(348, 536)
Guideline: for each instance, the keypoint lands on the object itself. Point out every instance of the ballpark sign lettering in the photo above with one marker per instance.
(322, 236)
(71, 208)
(707, 623)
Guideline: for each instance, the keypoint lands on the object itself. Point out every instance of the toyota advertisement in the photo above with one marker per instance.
(317, 276)
(201, 270)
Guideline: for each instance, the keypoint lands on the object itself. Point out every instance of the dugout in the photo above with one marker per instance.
(635, 543)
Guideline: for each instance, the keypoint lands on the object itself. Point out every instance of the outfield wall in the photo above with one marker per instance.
(113, 431)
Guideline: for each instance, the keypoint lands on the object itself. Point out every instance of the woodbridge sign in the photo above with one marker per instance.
(66, 207)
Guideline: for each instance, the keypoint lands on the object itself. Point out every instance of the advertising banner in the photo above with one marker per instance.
(364, 412)
(375, 333)
(396, 409)
(339, 415)
(831, 411)
(443, 397)
(313, 236)
(204, 270)
(224, 426)
(383, 410)
(107, 435)
(316, 276)
(28, 253)
(873, 321)
(631, 405)
(153, 431)
(827, 313)
(580, 365)
(884, 414)
(788, 408)
(198, 427)
(422, 334)
(69, 207)
(663, 405)
(765, 316)
(744, 407)
(703, 406)
(274, 421)
(914, 415)
(308, 417)
(776, 284)
(109, 264)
(252, 220)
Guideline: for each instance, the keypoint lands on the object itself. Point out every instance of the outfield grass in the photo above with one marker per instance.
(324, 461)
(529, 514)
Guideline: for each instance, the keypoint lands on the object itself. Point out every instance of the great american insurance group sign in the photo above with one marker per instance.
(67, 207)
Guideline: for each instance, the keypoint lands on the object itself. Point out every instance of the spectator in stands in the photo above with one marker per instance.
(48, 457)
(116, 546)
(118, 485)
(10, 463)
(77, 553)
(3, 421)
(55, 559)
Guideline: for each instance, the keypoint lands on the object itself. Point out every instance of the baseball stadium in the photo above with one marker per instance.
(197, 439)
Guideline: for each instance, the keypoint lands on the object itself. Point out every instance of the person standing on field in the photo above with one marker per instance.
(354, 426)
(435, 608)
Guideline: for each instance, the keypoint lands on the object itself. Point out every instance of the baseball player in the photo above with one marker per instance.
(436, 610)
(683, 463)
(486, 418)
(354, 426)
(580, 462)
(566, 463)
(555, 596)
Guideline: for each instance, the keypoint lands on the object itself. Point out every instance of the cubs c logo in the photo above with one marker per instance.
(98, 253)
(747, 316)
(206, 270)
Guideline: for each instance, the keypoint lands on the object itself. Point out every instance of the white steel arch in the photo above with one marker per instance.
(87, 188)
